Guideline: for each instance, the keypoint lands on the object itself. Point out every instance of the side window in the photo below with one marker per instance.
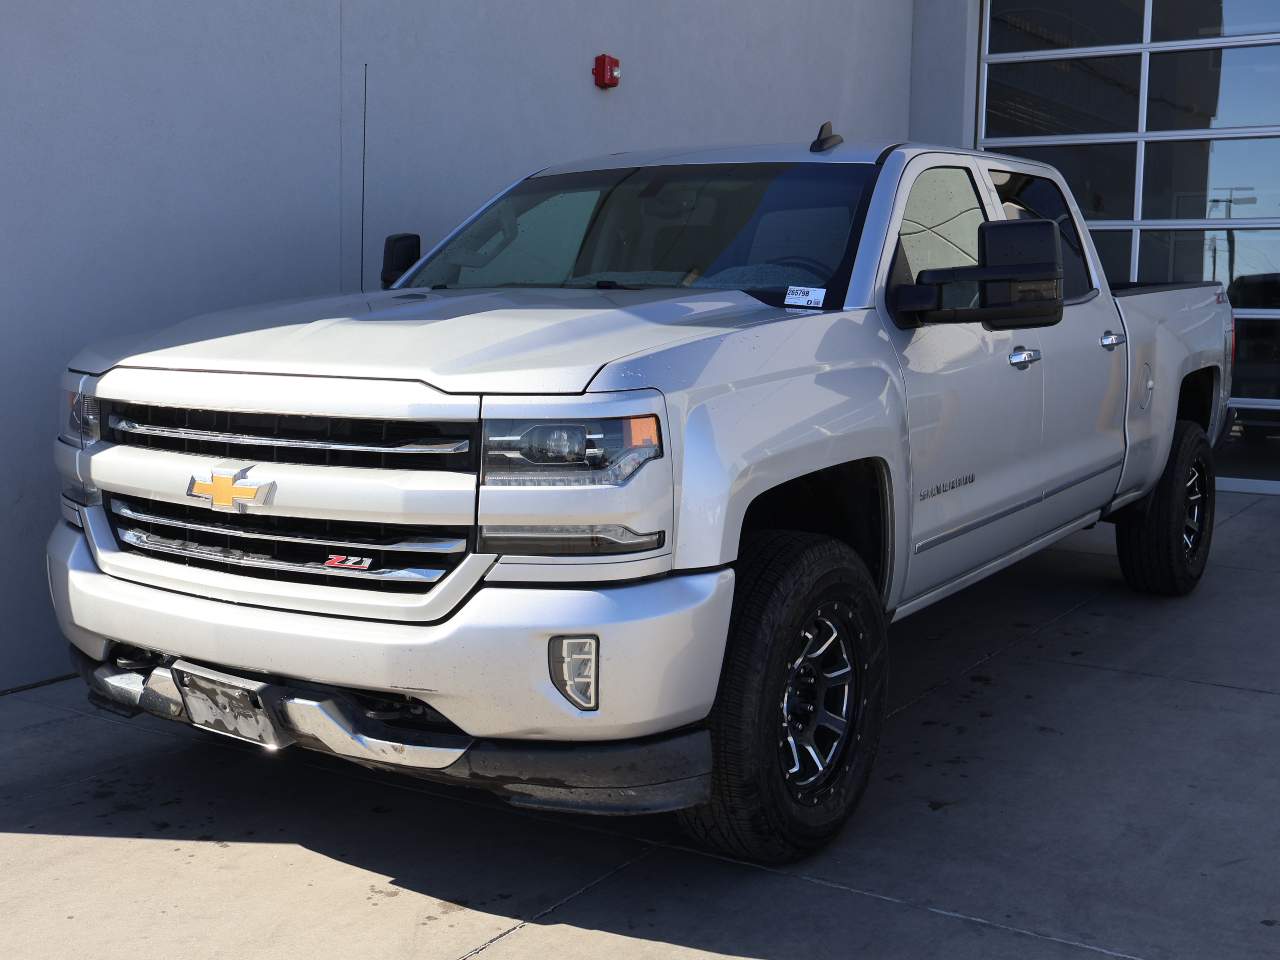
(939, 229)
(1025, 197)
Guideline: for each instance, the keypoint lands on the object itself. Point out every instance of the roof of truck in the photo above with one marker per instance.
(865, 151)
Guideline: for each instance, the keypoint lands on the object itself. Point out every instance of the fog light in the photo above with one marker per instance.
(575, 663)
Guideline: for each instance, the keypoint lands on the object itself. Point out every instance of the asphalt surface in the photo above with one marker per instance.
(1070, 771)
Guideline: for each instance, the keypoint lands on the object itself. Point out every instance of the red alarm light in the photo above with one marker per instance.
(607, 71)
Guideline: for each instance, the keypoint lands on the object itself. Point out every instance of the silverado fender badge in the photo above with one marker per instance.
(229, 491)
(938, 488)
(348, 563)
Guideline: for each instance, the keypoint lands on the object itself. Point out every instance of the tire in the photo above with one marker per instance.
(1153, 535)
(791, 589)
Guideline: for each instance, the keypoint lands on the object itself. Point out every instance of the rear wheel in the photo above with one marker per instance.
(1163, 541)
(801, 703)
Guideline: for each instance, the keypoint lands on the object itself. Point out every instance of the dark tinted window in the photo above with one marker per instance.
(1200, 179)
(1089, 95)
(1052, 24)
(1034, 198)
(1201, 89)
(1192, 19)
(1100, 175)
(1257, 368)
(1113, 248)
(1247, 262)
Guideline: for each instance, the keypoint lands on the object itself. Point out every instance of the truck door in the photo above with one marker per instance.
(1085, 363)
(974, 396)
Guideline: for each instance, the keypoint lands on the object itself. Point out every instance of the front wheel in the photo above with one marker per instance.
(801, 703)
(1163, 540)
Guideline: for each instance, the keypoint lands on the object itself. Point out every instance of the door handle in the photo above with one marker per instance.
(1109, 340)
(1023, 358)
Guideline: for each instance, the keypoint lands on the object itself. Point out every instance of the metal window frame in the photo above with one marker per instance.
(1139, 137)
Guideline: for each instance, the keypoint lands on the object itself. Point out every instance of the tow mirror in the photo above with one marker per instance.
(1016, 284)
(400, 251)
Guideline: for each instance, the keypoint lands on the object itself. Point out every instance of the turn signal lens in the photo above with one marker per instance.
(575, 668)
(81, 426)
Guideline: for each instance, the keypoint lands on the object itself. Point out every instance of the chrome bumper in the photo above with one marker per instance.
(323, 723)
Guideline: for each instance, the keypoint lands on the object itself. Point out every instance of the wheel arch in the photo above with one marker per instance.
(1198, 397)
(850, 501)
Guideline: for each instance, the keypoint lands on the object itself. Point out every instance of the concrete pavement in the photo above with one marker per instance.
(1070, 771)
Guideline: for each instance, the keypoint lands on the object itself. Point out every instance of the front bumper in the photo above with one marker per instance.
(485, 668)
(649, 775)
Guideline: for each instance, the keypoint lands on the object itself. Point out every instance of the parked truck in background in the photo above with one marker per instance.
(607, 503)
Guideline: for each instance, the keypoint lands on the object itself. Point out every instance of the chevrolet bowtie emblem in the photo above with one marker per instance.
(229, 491)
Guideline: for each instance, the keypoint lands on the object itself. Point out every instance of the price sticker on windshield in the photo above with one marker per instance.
(805, 296)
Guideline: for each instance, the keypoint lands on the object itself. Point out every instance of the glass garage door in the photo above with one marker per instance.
(1164, 116)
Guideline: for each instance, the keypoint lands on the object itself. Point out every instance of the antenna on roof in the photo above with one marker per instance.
(826, 139)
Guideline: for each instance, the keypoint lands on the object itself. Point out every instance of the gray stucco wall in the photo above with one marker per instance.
(166, 157)
(944, 71)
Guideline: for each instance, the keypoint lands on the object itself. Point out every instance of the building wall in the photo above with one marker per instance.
(944, 71)
(166, 157)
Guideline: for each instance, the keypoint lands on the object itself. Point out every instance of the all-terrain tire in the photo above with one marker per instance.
(1163, 540)
(791, 587)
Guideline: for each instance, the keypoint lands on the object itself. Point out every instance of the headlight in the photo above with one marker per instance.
(81, 426)
(552, 453)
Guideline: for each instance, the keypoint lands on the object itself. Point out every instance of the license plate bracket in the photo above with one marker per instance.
(232, 706)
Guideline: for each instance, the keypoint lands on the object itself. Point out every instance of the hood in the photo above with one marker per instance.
(459, 341)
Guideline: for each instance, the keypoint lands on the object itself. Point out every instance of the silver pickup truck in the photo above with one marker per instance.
(606, 504)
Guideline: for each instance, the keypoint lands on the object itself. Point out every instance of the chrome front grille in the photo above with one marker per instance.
(372, 556)
(293, 438)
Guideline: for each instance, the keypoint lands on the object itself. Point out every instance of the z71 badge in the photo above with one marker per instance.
(341, 562)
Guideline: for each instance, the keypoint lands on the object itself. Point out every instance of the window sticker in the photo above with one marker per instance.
(805, 296)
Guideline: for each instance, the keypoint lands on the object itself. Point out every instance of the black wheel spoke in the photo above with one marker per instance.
(816, 706)
(1193, 524)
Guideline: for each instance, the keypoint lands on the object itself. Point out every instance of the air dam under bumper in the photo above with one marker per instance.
(651, 775)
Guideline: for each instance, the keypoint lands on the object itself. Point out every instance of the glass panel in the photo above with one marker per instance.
(1202, 89)
(1257, 368)
(1191, 19)
(1113, 250)
(1195, 179)
(1053, 24)
(939, 229)
(756, 227)
(1034, 198)
(1091, 95)
(1247, 261)
(1100, 175)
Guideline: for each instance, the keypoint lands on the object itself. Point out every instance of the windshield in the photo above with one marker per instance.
(763, 228)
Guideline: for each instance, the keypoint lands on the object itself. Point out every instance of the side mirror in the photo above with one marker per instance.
(1016, 284)
(400, 251)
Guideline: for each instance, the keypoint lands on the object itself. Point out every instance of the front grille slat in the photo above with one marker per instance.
(431, 545)
(443, 447)
(240, 558)
(295, 438)
(392, 557)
